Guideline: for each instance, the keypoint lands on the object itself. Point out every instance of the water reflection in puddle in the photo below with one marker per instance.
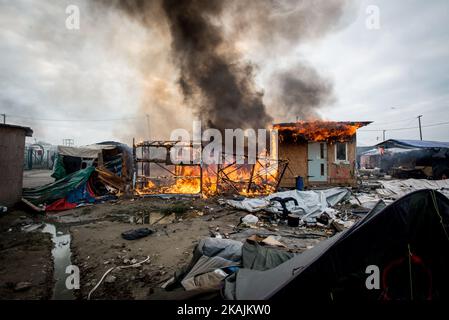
(61, 259)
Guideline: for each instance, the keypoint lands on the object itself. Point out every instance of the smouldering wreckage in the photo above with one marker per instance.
(398, 225)
(149, 169)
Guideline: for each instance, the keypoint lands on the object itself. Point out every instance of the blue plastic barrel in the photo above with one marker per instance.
(299, 183)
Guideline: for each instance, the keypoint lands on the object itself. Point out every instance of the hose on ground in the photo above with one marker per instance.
(113, 268)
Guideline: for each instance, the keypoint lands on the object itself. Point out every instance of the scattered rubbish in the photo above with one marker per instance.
(283, 202)
(3, 209)
(340, 225)
(32, 227)
(136, 234)
(110, 279)
(22, 286)
(270, 240)
(250, 219)
(406, 236)
(110, 270)
(293, 220)
(323, 219)
(307, 204)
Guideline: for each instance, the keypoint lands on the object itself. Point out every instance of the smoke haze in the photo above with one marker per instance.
(171, 60)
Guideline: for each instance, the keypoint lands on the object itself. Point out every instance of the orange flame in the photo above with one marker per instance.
(210, 180)
(318, 130)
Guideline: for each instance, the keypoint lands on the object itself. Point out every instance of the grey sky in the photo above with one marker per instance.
(390, 75)
(393, 74)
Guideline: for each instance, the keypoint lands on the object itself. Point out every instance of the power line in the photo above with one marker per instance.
(375, 123)
(409, 128)
(73, 120)
(435, 124)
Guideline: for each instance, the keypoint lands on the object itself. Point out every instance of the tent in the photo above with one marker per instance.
(408, 241)
(116, 156)
(84, 186)
(63, 194)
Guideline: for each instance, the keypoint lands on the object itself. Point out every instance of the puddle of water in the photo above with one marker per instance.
(61, 259)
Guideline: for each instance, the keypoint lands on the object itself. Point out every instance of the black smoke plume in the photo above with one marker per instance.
(214, 78)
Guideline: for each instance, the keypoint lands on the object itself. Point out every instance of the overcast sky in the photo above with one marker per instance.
(388, 75)
(393, 74)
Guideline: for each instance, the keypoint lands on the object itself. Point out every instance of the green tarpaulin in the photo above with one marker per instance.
(59, 170)
(58, 189)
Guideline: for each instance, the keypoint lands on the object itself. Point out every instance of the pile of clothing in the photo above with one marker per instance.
(215, 260)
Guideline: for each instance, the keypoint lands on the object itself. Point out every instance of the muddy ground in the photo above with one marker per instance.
(90, 238)
(26, 264)
(178, 226)
(97, 245)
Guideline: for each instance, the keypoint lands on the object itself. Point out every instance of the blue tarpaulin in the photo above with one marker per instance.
(413, 144)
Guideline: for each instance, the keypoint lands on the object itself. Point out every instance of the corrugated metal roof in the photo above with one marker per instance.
(413, 144)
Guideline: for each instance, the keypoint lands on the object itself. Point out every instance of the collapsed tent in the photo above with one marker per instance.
(63, 194)
(307, 204)
(84, 175)
(407, 241)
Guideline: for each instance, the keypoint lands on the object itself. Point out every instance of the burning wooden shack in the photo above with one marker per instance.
(319, 152)
(156, 173)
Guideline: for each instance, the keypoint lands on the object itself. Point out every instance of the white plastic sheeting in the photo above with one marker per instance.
(310, 203)
(398, 188)
(395, 189)
(90, 151)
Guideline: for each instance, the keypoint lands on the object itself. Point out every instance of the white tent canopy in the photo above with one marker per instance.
(90, 151)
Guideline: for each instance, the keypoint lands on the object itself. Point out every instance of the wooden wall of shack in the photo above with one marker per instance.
(12, 154)
(338, 173)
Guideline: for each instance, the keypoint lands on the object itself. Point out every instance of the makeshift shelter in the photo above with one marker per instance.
(408, 241)
(410, 158)
(116, 156)
(85, 175)
(12, 146)
(319, 152)
(63, 194)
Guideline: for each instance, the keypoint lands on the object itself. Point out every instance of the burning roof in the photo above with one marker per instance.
(318, 130)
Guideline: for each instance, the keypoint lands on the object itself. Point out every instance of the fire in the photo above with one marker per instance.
(318, 131)
(256, 179)
(188, 181)
(244, 179)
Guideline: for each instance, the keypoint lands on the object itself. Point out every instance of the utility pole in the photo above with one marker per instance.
(383, 132)
(420, 128)
(4, 118)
